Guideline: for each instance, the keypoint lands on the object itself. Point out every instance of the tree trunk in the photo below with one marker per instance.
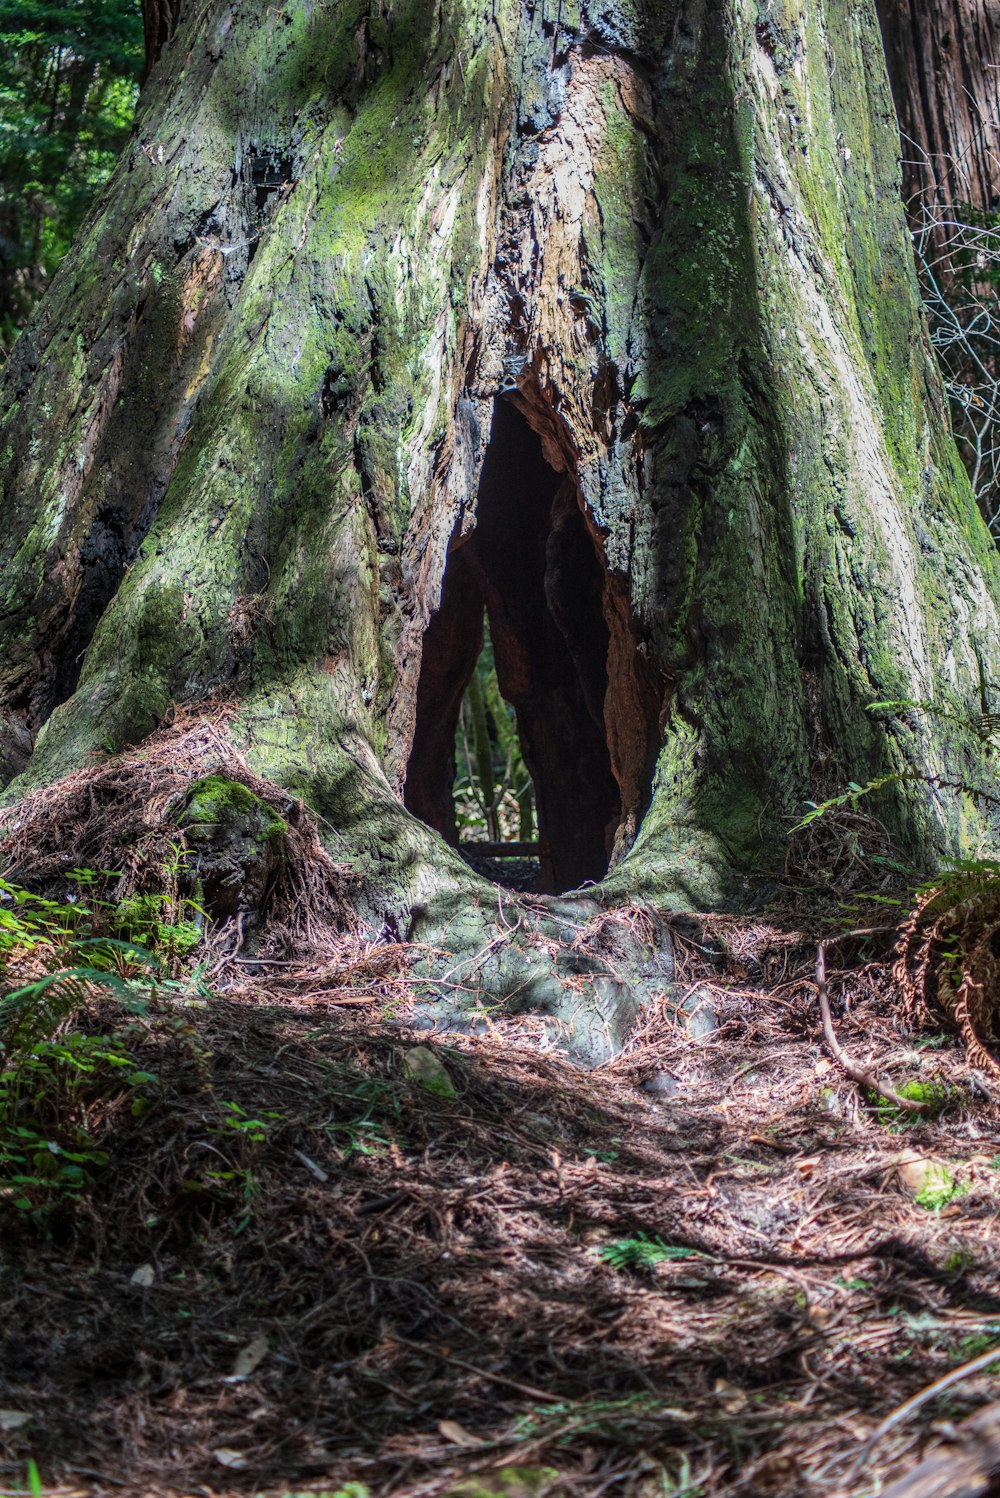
(600, 320)
(943, 58)
(944, 66)
(159, 22)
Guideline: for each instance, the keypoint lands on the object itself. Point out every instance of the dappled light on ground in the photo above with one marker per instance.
(710, 1268)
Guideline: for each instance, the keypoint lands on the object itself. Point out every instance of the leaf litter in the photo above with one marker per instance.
(719, 1289)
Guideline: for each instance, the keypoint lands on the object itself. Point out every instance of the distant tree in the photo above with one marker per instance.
(68, 81)
(943, 57)
(944, 68)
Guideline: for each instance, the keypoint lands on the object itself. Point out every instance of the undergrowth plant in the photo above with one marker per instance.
(494, 796)
(642, 1252)
(985, 726)
(167, 920)
(368, 1114)
(155, 919)
(58, 1067)
(244, 1136)
(948, 946)
(948, 956)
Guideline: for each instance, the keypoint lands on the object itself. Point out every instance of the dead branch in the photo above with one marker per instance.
(965, 1467)
(859, 1074)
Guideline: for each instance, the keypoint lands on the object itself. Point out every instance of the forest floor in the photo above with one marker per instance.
(305, 1270)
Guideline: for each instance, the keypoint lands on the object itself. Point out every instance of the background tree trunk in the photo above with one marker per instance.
(159, 22)
(604, 320)
(944, 66)
(944, 57)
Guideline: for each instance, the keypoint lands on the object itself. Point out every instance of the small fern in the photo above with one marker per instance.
(642, 1252)
(983, 725)
(54, 1076)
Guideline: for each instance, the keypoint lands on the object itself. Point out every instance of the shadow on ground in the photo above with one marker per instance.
(303, 1267)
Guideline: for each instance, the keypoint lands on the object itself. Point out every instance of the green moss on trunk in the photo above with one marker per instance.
(251, 415)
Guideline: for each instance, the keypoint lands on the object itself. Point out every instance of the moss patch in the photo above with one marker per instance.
(507, 1482)
(217, 800)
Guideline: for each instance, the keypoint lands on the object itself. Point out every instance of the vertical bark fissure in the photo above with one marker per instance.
(160, 19)
(943, 57)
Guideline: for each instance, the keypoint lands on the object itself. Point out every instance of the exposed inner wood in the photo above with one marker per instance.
(533, 565)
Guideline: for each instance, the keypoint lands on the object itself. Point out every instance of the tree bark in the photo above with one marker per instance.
(159, 22)
(601, 319)
(944, 67)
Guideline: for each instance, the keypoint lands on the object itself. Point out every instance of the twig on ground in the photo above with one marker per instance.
(904, 1411)
(493, 1378)
(859, 1074)
(965, 1468)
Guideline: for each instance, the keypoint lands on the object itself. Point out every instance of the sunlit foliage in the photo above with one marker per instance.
(494, 796)
(68, 82)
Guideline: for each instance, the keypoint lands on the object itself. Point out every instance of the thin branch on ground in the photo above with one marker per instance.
(910, 1407)
(860, 1074)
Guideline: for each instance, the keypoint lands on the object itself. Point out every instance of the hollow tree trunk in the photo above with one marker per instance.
(600, 319)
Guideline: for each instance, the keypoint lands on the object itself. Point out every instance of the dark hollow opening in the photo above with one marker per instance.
(532, 565)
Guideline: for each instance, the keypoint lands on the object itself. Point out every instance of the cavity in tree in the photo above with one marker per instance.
(604, 323)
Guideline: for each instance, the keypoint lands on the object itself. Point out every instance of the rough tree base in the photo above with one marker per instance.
(184, 810)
